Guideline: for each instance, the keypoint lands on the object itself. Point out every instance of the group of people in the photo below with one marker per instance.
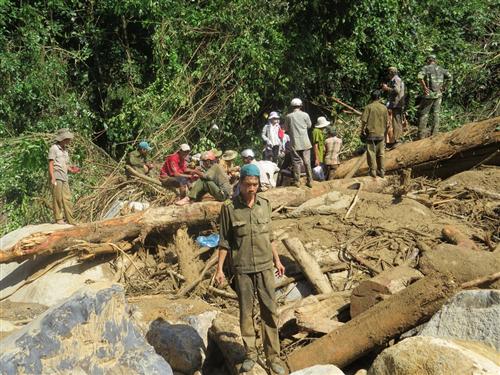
(247, 253)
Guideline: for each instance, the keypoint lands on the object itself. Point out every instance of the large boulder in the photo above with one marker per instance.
(469, 315)
(319, 370)
(89, 333)
(435, 356)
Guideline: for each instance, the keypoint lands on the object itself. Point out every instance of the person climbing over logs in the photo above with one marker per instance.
(246, 242)
(212, 180)
(395, 90)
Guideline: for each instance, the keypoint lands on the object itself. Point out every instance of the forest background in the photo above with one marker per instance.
(115, 72)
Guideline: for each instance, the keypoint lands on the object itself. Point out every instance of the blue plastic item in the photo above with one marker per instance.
(208, 241)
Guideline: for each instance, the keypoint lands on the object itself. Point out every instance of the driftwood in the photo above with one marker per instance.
(453, 235)
(308, 265)
(389, 282)
(422, 155)
(137, 226)
(321, 317)
(142, 176)
(378, 325)
(185, 249)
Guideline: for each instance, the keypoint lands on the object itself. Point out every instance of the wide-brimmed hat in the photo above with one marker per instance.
(63, 134)
(273, 115)
(229, 155)
(217, 153)
(392, 69)
(322, 123)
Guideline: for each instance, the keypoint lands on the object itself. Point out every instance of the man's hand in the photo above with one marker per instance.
(280, 268)
(385, 87)
(317, 163)
(220, 278)
(426, 91)
(73, 169)
(53, 181)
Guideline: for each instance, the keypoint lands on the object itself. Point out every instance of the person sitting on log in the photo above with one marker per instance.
(212, 180)
(227, 164)
(138, 159)
(175, 172)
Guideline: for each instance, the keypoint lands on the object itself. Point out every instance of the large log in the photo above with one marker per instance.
(422, 155)
(309, 266)
(376, 326)
(322, 317)
(136, 226)
(389, 282)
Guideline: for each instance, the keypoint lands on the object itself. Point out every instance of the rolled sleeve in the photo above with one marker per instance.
(225, 228)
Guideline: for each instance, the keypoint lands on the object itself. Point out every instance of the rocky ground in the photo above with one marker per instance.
(132, 312)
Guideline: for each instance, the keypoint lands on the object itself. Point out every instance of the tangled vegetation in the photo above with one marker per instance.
(166, 71)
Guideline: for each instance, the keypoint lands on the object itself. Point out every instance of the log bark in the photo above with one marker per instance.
(225, 332)
(416, 155)
(389, 282)
(185, 250)
(136, 226)
(456, 237)
(308, 265)
(376, 326)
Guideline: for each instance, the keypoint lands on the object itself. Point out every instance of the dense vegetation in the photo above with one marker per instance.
(115, 71)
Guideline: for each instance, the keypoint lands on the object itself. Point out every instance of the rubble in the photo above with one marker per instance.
(89, 332)
(320, 370)
(436, 356)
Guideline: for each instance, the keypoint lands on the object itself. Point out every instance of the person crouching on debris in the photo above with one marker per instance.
(227, 164)
(175, 172)
(212, 180)
(247, 242)
(138, 159)
(59, 166)
(373, 131)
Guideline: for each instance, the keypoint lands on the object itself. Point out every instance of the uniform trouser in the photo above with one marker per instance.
(330, 171)
(396, 119)
(299, 156)
(262, 284)
(201, 187)
(375, 157)
(428, 106)
(61, 202)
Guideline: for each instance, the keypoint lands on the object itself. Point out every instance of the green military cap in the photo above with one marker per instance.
(393, 69)
(431, 57)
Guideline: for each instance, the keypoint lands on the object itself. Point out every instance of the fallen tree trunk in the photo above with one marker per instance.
(308, 265)
(376, 326)
(380, 287)
(322, 316)
(453, 235)
(468, 139)
(136, 226)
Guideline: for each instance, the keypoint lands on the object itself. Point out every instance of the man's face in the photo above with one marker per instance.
(183, 154)
(249, 186)
(65, 142)
(143, 151)
(207, 163)
(247, 160)
(275, 121)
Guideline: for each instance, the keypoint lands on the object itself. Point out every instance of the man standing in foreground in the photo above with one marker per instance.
(431, 78)
(59, 166)
(374, 127)
(246, 234)
(296, 125)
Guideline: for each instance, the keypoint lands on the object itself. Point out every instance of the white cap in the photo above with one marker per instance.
(247, 153)
(296, 102)
(185, 147)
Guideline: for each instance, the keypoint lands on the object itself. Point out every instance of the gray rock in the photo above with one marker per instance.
(435, 356)
(469, 315)
(89, 333)
(320, 370)
(201, 323)
(179, 344)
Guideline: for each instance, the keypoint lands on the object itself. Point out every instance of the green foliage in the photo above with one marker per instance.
(118, 71)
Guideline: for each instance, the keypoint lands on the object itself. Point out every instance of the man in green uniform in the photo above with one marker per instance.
(432, 79)
(246, 235)
(213, 180)
(138, 159)
(374, 126)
